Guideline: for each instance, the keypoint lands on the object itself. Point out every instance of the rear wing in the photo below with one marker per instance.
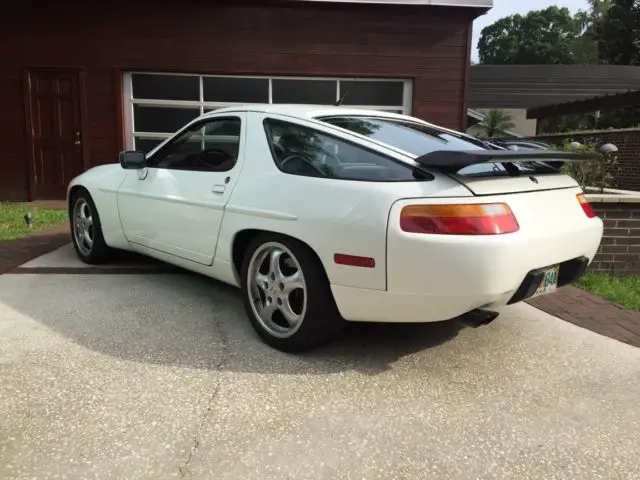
(452, 161)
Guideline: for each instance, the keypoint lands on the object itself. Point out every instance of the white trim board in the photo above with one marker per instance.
(433, 3)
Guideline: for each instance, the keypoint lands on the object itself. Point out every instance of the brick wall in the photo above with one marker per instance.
(627, 174)
(619, 252)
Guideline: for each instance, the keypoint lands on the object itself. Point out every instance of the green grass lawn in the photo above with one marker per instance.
(12, 224)
(623, 291)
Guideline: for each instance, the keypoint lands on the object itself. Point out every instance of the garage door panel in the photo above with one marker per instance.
(235, 90)
(159, 104)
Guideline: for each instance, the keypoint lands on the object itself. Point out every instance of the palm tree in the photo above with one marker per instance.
(495, 122)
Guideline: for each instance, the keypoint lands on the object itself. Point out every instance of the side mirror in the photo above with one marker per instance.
(133, 160)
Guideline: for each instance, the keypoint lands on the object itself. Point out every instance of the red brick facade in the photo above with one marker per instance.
(428, 45)
(619, 252)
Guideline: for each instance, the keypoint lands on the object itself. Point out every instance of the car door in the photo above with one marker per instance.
(175, 205)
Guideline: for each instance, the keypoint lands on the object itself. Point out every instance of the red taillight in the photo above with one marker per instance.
(464, 219)
(586, 206)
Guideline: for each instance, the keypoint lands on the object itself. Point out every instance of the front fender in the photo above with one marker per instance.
(102, 177)
(102, 183)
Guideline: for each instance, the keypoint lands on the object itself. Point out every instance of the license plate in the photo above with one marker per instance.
(549, 282)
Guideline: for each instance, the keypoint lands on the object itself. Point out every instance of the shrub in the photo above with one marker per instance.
(595, 173)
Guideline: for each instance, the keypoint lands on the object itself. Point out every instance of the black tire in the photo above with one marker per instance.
(99, 252)
(320, 321)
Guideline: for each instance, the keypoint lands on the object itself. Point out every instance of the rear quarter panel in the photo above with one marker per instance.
(330, 216)
(553, 229)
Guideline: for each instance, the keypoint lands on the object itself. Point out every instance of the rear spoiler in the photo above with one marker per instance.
(452, 161)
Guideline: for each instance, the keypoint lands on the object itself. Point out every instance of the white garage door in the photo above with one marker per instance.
(158, 104)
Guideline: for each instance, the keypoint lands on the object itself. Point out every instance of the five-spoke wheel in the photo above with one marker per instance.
(86, 231)
(83, 226)
(278, 290)
(287, 294)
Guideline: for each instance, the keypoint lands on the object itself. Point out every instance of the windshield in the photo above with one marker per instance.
(419, 139)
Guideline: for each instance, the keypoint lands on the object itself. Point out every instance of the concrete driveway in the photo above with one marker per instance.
(117, 376)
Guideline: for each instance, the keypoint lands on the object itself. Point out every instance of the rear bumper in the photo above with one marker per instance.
(363, 305)
(436, 278)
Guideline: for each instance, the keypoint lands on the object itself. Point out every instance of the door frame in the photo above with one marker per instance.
(27, 74)
(128, 190)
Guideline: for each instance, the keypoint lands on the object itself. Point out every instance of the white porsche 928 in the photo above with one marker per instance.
(322, 215)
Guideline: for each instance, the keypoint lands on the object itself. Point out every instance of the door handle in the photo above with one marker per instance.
(218, 189)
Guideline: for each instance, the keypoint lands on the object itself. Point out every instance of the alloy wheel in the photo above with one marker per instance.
(277, 289)
(83, 226)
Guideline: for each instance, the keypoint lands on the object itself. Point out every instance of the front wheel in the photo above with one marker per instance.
(86, 231)
(287, 294)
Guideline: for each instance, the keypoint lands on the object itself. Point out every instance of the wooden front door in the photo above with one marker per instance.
(54, 101)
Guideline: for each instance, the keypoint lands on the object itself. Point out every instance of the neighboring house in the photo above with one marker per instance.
(80, 83)
(518, 88)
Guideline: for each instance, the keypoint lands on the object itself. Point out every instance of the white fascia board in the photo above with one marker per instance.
(433, 3)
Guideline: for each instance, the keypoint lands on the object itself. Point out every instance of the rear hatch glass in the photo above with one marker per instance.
(481, 179)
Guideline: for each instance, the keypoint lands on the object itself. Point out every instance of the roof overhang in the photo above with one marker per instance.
(433, 3)
(531, 86)
(589, 105)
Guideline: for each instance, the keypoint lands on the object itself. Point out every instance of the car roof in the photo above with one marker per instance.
(299, 110)
(312, 112)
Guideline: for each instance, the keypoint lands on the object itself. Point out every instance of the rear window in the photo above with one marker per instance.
(300, 150)
(417, 139)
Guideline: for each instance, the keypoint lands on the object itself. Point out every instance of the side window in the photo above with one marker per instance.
(299, 150)
(209, 146)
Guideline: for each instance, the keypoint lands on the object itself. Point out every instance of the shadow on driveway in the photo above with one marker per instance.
(187, 320)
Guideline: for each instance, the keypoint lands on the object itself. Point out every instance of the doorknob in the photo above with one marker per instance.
(77, 142)
(218, 189)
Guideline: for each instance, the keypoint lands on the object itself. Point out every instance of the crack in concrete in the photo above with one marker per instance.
(183, 469)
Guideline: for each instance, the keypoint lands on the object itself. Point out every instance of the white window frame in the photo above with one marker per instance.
(200, 104)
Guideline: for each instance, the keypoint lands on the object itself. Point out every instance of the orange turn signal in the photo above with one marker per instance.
(586, 206)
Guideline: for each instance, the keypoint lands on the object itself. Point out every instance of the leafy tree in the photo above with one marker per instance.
(496, 122)
(545, 36)
(586, 47)
(551, 36)
(619, 33)
(566, 123)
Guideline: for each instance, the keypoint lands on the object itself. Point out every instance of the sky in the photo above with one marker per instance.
(504, 8)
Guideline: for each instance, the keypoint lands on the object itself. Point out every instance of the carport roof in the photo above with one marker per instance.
(529, 86)
(605, 102)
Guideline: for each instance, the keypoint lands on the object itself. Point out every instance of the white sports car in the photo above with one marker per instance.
(322, 215)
